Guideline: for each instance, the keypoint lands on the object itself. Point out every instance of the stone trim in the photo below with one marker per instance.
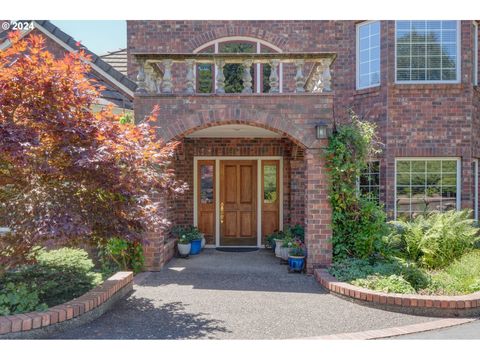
(427, 305)
(95, 302)
(394, 331)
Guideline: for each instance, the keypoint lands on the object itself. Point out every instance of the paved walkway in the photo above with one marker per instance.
(470, 331)
(219, 295)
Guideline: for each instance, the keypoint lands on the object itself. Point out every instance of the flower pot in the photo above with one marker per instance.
(196, 246)
(284, 252)
(203, 241)
(184, 249)
(296, 263)
(278, 245)
(273, 245)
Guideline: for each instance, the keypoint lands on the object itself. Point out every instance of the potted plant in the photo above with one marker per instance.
(286, 244)
(195, 237)
(184, 246)
(296, 256)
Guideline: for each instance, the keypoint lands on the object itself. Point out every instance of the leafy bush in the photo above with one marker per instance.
(434, 240)
(462, 276)
(120, 254)
(186, 234)
(389, 284)
(358, 224)
(18, 298)
(58, 276)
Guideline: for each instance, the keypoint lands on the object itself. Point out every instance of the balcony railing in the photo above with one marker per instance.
(155, 71)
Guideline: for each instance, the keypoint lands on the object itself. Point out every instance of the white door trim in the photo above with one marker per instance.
(217, 191)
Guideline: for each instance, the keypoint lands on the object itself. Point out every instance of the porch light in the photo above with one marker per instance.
(321, 130)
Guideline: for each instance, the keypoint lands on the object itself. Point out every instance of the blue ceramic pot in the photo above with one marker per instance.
(296, 263)
(196, 246)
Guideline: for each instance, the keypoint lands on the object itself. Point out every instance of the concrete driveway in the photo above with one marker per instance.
(219, 295)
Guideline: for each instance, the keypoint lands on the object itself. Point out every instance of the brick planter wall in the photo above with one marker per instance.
(72, 313)
(428, 305)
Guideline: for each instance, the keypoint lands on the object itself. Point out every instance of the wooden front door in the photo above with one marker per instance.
(238, 203)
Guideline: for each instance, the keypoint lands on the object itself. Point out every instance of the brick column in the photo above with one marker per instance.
(154, 244)
(318, 214)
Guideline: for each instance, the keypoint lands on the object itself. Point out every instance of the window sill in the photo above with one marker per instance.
(374, 90)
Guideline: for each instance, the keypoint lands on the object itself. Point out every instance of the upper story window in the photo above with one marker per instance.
(368, 54)
(427, 51)
(233, 73)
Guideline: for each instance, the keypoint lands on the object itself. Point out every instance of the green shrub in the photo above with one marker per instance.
(358, 223)
(58, 276)
(119, 254)
(460, 277)
(389, 284)
(434, 240)
(19, 298)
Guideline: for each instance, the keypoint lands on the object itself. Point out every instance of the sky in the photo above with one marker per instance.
(99, 36)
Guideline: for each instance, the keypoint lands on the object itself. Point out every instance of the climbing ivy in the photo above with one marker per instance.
(358, 223)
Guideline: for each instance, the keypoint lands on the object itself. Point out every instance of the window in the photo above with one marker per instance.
(424, 185)
(270, 186)
(205, 73)
(427, 51)
(475, 53)
(368, 54)
(369, 182)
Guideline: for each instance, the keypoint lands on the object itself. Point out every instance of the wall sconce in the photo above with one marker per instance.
(321, 130)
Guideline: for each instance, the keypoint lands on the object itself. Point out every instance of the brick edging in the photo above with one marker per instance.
(21, 325)
(428, 305)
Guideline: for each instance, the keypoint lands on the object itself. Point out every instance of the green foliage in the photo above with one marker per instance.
(186, 234)
(297, 248)
(126, 119)
(434, 240)
(462, 276)
(57, 277)
(389, 284)
(119, 254)
(358, 223)
(19, 298)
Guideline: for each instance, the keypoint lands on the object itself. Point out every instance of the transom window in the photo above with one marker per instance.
(368, 54)
(369, 182)
(425, 185)
(427, 51)
(234, 72)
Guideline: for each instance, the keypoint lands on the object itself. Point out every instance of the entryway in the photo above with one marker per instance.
(237, 199)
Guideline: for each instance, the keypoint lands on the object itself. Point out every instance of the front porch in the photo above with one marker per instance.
(252, 160)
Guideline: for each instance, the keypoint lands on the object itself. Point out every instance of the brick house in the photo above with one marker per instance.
(249, 102)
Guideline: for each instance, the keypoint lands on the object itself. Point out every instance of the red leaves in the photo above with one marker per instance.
(73, 174)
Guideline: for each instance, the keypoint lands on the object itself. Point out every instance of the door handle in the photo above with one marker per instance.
(221, 213)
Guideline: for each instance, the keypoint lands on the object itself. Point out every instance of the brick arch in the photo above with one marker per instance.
(231, 31)
(185, 126)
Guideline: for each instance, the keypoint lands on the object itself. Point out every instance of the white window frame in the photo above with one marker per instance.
(357, 29)
(476, 184)
(379, 179)
(475, 54)
(258, 45)
(459, 177)
(459, 63)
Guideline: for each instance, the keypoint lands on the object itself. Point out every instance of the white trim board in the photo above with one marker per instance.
(217, 191)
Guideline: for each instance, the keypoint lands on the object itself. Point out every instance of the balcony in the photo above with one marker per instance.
(156, 73)
(293, 106)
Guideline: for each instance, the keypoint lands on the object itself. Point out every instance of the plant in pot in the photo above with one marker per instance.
(183, 243)
(296, 256)
(286, 244)
(277, 242)
(195, 237)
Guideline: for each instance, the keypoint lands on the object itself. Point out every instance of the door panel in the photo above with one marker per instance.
(206, 199)
(238, 202)
(271, 197)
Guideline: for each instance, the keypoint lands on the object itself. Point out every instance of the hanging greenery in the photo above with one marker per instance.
(358, 223)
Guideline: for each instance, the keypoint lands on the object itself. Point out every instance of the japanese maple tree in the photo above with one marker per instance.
(68, 174)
